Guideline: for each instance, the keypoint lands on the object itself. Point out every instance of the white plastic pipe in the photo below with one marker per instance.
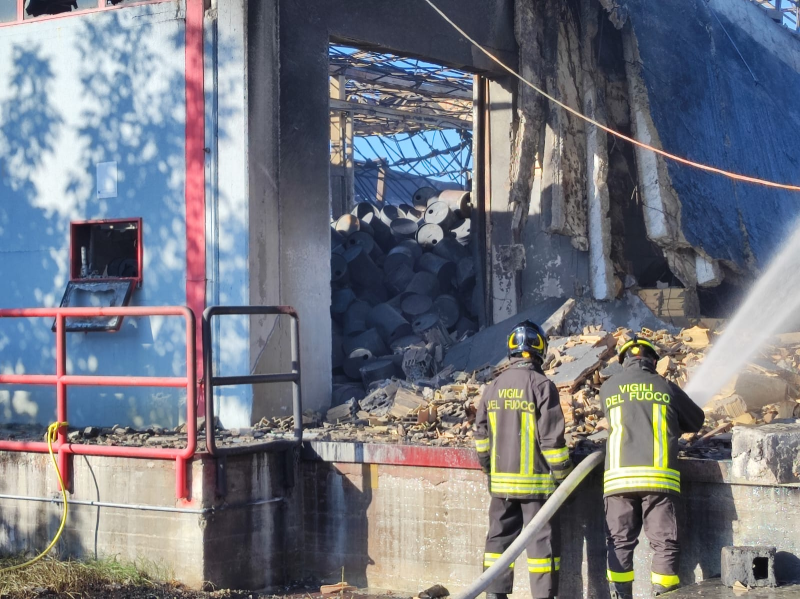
(548, 511)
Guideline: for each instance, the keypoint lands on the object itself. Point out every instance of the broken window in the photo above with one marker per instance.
(8, 11)
(96, 294)
(109, 249)
(40, 8)
(105, 267)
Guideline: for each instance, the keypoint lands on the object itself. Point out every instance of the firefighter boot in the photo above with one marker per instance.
(621, 590)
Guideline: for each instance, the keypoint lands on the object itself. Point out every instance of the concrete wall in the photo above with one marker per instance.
(406, 528)
(169, 539)
(395, 517)
(241, 540)
(75, 92)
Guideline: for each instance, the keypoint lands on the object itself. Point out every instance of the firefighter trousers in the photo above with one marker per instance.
(507, 517)
(625, 515)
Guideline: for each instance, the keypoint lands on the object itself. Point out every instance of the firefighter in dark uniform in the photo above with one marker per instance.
(519, 436)
(646, 415)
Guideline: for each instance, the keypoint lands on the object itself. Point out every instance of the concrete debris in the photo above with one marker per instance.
(757, 390)
(342, 412)
(339, 587)
(748, 567)
(673, 304)
(768, 455)
(696, 337)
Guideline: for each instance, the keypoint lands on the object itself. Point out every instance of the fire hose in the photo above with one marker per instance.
(52, 435)
(548, 510)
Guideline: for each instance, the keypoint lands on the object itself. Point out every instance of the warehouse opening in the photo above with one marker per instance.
(403, 265)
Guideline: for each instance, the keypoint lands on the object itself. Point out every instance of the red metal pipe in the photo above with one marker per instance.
(195, 170)
(120, 451)
(123, 381)
(29, 446)
(28, 379)
(92, 381)
(68, 312)
(61, 397)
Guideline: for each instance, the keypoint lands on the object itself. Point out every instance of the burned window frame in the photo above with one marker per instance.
(106, 324)
(82, 279)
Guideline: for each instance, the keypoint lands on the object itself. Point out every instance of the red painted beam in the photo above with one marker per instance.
(392, 455)
(416, 455)
(195, 175)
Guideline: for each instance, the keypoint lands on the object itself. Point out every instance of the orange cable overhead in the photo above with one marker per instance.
(636, 142)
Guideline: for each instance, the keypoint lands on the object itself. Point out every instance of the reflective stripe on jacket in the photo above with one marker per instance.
(646, 415)
(519, 434)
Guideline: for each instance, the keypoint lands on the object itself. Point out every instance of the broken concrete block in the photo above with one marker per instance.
(555, 322)
(750, 566)
(405, 402)
(786, 409)
(585, 360)
(696, 338)
(663, 366)
(417, 363)
(341, 412)
(768, 454)
(757, 390)
(746, 419)
(731, 406)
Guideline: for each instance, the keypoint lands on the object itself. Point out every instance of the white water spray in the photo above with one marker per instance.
(772, 302)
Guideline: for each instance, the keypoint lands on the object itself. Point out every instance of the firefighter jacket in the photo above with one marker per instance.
(646, 415)
(519, 434)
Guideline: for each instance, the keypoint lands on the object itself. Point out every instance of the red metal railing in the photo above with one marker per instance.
(62, 380)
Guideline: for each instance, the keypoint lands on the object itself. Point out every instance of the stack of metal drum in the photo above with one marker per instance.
(401, 277)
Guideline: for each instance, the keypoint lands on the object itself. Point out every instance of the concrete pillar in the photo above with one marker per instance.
(270, 342)
(499, 212)
(601, 270)
(227, 192)
(304, 166)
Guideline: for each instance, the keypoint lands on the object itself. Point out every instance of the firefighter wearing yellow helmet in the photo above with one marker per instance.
(646, 415)
(519, 436)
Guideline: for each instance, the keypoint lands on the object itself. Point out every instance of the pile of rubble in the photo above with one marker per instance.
(441, 410)
(402, 278)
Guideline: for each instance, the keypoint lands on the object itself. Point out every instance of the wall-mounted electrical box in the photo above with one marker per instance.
(105, 266)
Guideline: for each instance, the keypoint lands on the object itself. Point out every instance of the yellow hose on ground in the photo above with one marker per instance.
(52, 435)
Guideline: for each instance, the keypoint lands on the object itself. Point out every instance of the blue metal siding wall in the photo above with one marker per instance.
(707, 106)
(74, 92)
